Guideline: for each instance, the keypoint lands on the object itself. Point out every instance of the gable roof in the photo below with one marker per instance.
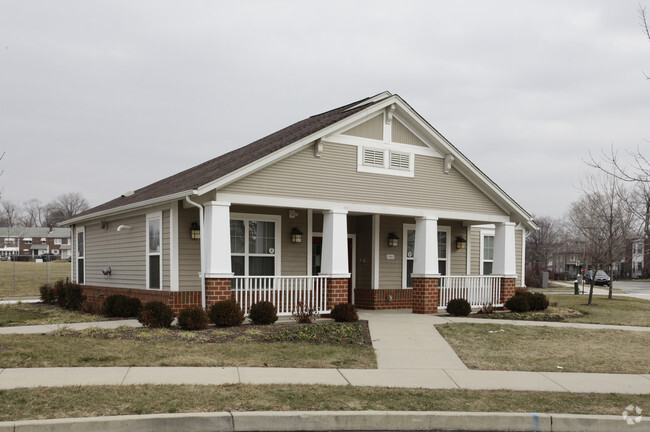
(203, 176)
(187, 181)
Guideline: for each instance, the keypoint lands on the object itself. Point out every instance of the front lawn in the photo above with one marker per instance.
(328, 345)
(20, 314)
(617, 311)
(543, 349)
(22, 279)
(44, 403)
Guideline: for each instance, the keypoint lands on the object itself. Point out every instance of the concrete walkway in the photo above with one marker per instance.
(410, 353)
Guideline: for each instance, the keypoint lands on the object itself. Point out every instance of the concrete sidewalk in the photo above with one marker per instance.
(410, 353)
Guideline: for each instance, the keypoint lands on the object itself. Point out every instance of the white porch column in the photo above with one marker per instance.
(504, 250)
(334, 258)
(425, 261)
(216, 246)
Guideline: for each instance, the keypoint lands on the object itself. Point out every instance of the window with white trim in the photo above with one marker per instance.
(487, 252)
(81, 255)
(444, 233)
(154, 250)
(27, 240)
(57, 241)
(254, 243)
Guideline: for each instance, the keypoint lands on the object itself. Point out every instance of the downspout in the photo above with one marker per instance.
(202, 273)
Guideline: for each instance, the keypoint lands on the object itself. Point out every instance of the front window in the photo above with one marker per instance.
(409, 252)
(154, 251)
(253, 246)
(81, 256)
(487, 252)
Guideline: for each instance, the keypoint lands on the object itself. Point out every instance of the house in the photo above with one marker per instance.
(637, 258)
(365, 203)
(34, 241)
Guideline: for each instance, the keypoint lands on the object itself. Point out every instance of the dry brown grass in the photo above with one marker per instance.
(43, 403)
(545, 348)
(617, 311)
(22, 279)
(20, 314)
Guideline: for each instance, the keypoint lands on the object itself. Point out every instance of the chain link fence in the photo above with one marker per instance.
(19, 279)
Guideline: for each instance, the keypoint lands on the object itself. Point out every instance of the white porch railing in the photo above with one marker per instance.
(285, 292)
(477, 290)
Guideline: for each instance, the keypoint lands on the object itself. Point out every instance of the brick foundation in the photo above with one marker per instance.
(337, 292)
(217, 290)
(425, 295)
(507, 289)
(177, 300)
(378, 299)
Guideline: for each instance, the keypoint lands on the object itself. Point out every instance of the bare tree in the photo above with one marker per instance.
(603, 221)
(35, 213)
(10, 213)
(542, 246)
(644, 25)
(65, 207)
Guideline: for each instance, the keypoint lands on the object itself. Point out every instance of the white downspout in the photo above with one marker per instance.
(202, 273)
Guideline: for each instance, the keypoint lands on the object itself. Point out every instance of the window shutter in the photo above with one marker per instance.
(373, 157)
(399, 161)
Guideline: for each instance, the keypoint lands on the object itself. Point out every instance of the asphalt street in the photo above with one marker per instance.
(640, 289)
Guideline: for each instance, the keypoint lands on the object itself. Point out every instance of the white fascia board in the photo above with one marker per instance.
(291, 148)
(282, 202)
(381, 145)
(128, 208)
(493, 190)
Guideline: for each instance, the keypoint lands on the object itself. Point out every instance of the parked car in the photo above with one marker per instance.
(601, 278)
(47, 257)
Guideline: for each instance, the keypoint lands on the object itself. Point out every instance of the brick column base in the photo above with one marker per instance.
(217, 290)
(337, 292)
(507, 289)
(426, 295)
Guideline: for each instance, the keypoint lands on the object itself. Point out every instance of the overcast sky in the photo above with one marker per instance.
(101, 97)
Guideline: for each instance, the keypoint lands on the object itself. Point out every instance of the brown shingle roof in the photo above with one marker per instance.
(218, 167)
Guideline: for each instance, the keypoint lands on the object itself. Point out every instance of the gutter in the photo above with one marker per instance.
(202, 273)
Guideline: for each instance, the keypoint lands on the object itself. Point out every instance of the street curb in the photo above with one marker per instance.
(333, 420)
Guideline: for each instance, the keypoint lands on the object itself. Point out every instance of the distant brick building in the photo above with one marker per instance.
(33, 242)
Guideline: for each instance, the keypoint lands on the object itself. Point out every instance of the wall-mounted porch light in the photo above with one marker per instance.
(296, 235)
(195, 231)
(393, 240)
(461, 243)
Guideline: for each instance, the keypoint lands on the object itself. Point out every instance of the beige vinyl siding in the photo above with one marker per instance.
(364, 252)
(165, 248)
(390, 270)
(401, 134)
(373, 129)
(518, 235)
(475, 253)
(304, 176)
(189, 251)
(458, 264)
(123, 251)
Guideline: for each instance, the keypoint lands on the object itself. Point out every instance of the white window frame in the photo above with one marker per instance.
(82, 231)
(277, 255)
(386, 168)
(27, 240)
(154, 216)
(406, 228)
(57, 241)
(485, 233)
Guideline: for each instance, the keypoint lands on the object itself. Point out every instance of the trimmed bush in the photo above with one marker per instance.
(156, 314)
(459, 307)
(263, 313)
(193, 318)
(69, 295)
(518, 303)
(537, 301)
(48, 294)
(59, 292)
(119, 305)
(226, 313)
(344, 312)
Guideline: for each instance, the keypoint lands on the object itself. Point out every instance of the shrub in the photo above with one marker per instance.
(69, 295)
(459, 307)
(304, 315)
(537, 301)
(59, 292)
(226, 313)
(193, 318)
(487, 309)
(518, 303)
(48, 294)
(119, 305)
(344, 312)
(156, 314)
(263, 312)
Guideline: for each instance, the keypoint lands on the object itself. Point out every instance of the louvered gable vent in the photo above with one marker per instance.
(373, 157)
(399, 161)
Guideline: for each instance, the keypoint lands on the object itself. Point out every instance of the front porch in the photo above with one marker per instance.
(375, 261)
